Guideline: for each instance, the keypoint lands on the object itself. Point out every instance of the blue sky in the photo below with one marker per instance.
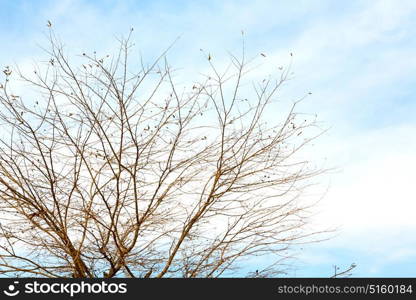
(358, 59)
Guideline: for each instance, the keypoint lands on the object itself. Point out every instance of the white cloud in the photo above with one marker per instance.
(374, 187)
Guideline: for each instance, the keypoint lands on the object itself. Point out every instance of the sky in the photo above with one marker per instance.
(356, 57)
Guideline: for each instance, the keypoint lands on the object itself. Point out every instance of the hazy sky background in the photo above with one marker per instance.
(358, 59)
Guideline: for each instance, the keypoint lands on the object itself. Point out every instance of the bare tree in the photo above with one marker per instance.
(113, 168)
(347, 272)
